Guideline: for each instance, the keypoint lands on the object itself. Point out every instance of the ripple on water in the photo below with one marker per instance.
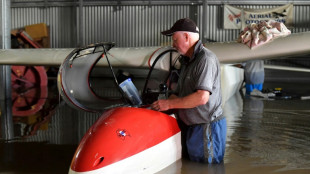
(274, 132)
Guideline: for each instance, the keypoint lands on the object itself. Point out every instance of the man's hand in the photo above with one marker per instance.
(200, 97)
(160, 105)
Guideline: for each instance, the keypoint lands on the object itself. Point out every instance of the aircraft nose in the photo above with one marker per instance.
(98, 161)
(89, 155)
(119, 134)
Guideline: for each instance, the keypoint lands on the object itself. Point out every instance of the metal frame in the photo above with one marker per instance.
(50, 3)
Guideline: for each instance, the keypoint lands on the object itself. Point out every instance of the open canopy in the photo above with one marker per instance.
(79, 90)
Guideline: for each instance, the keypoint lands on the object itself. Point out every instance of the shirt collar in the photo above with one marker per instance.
(197, 49)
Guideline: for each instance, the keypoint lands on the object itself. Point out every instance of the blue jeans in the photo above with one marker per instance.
(206, 142)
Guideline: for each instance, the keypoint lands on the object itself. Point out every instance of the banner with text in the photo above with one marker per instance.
(238, 18)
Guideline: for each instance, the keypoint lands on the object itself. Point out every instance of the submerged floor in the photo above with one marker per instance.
(264, 136)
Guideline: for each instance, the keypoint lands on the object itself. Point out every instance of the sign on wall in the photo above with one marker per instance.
(238, 18)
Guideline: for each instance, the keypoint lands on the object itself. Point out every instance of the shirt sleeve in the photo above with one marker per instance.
(206, 73)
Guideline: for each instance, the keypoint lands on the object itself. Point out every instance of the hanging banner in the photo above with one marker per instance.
(238, 18)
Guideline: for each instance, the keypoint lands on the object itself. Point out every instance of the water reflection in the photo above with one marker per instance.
(263, 136)
(272, 133)
(189, 167)
(197, 168)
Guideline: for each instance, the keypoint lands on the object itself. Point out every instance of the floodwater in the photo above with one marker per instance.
(263, 136)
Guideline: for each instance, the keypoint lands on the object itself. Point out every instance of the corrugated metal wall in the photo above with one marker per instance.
(214, 31)
(61, 22)
(128, 26)
(133, 26)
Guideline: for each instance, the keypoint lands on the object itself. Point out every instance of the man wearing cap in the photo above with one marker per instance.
(198, 97)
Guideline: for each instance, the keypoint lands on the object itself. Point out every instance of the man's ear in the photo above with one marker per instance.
(186, 35)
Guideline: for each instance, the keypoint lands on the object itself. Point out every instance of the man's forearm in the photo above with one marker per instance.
(200, 97)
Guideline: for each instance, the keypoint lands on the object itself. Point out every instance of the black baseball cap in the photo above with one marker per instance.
(184, 24)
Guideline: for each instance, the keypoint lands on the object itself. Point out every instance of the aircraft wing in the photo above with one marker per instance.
(294, 44)
(227, 52)
(33, 56)
(129, 57)
(143, 57)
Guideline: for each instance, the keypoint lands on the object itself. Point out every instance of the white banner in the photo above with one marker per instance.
(238, 18)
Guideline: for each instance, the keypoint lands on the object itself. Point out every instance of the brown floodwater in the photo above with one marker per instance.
(263, 136)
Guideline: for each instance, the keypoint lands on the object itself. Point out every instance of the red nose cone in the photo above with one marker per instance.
(120, 133)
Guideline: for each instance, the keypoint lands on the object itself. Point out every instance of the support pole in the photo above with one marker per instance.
(204, 21)
(5, 74)
(80, 22)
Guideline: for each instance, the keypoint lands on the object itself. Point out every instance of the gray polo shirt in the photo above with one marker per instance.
(202, 72)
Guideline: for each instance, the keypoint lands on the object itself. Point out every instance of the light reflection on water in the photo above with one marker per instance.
(264, 136)
(273, 133)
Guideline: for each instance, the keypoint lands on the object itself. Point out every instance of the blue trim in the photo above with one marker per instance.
(218, 134)
(250, 87)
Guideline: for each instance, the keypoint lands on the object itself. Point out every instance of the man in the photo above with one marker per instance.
(198, 96)
(254, 75)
